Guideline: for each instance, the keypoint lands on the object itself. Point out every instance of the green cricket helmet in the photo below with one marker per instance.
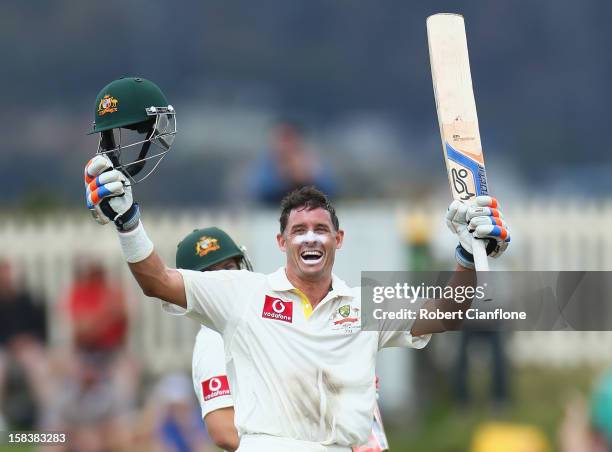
(206, 247)
(132, 115)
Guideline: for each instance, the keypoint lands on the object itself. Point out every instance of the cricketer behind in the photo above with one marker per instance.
(300, 381)
(212, 249)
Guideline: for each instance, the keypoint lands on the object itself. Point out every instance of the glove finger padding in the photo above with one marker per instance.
(486, 201)
(106, 178)
(106, 185)
(104, 191)
(479, 211)
(108, 194)
(486, 220)
(483, 220)
(491, 232)
(96, 166)
(498, 238)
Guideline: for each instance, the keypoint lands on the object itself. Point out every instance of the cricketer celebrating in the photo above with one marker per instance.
(212, 249)
(300, 381)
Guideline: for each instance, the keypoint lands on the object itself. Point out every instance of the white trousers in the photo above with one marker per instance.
(267, 443)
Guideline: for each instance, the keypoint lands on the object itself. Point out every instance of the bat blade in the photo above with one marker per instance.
(457, 117)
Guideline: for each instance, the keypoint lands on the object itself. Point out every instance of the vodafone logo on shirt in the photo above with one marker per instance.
(215, 387)
(277, 309)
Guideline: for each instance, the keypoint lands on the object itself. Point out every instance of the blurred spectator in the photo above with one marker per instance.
(22, 337)
(589, 429)
(601, 411)
(90, 409)
(499, 378)
(99, 389)
(172, 420)
(289, 164)
(97, 311)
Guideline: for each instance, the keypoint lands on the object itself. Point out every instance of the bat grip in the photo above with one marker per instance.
(479, 251)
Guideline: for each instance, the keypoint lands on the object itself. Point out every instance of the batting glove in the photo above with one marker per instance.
(109, 195)
(482, 220)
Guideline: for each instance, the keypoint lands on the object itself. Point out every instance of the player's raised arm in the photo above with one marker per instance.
(481, 220)
(137, 128)
(110, 198)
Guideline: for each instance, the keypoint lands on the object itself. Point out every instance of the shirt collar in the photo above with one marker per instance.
(279, 282)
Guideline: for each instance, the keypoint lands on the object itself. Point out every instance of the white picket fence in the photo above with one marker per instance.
(563, 237)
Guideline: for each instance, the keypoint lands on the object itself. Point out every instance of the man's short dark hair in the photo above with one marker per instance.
(308, 198)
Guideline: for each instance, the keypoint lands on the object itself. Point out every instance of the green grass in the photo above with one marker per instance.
(538, 398)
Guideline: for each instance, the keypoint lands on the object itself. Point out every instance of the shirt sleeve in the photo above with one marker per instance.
(402, 339)
(396, 333)
(214, 298)
(208, 370)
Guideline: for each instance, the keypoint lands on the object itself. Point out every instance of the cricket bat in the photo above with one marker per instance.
(452, 83)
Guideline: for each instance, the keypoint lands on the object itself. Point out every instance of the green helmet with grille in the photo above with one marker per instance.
(206, 247)
(136, 124)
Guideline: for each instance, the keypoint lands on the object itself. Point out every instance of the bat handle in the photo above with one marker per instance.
(479, 251)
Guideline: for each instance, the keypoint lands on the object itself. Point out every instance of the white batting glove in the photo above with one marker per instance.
(108, 194)
(482, 220)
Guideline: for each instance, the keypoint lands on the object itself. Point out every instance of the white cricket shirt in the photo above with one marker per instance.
(296, 372)
(209, 373)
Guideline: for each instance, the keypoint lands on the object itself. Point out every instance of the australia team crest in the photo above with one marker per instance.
(205, 245)
(346, 319)
(108, 104)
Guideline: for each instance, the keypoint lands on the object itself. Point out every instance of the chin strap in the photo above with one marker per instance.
(133, 169)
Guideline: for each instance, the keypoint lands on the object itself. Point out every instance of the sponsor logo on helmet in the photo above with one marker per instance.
(205, 245)
(108, 104)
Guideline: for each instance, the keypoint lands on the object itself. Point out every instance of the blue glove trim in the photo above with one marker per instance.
(129, 220)
(464, 257)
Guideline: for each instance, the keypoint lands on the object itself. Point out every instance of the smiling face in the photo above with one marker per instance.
(310, 241)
